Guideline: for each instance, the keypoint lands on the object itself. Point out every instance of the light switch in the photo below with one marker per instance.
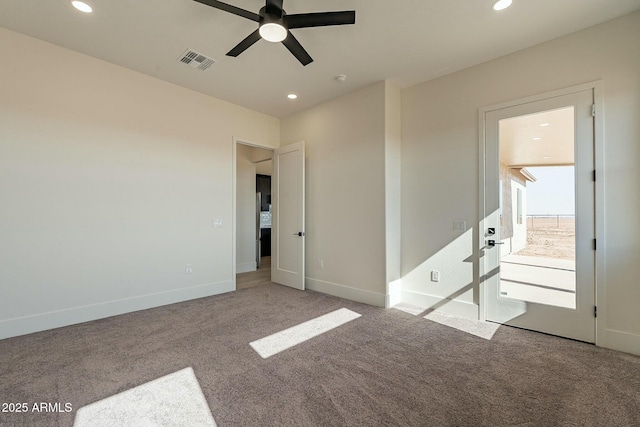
(459, 225)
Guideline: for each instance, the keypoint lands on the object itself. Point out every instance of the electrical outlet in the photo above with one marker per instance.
(435, 276)
(217, 223)
(188, 269)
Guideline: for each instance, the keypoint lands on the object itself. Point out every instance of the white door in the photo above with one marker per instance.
(287, 226)
(522, 300)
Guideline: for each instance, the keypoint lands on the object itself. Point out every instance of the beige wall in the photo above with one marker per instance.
(110, 181)
(265, 168)
(345, 193)
(440, 162)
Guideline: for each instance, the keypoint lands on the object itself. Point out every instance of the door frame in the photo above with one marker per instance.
(234, 207)
(600, 281)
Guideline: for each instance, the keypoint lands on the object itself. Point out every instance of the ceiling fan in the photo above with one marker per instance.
(274, 25)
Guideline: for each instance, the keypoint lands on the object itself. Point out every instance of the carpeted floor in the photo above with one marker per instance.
(385, 368)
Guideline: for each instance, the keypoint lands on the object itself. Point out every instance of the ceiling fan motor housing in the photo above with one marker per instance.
(271, 15)
(271, 24)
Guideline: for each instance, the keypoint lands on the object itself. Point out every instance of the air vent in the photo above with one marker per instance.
(196, 60)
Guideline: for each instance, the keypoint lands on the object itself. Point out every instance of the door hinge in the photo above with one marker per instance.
(595, 311)
(594, 244)
(593, 110)
(594, 175)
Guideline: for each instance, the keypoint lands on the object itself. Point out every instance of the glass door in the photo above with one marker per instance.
(539, 216)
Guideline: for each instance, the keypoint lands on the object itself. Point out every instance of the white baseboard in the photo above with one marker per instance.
(442, 305)
(55, 319)
(346, 292)
(394, 293)
(622, 341)
(245, 267)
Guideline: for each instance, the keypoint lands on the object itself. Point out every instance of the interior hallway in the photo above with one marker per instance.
(255, 278)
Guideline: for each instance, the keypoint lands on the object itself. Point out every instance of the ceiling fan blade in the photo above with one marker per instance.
(245, 44)
(296, 49)
(305, 20)
(231, 9)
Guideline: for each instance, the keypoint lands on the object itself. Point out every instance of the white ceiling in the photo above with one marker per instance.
(405, 41)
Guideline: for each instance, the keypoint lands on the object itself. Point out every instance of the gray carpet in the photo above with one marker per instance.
(386, 368)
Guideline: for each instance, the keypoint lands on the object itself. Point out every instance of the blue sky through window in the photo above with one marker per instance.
(553, 193)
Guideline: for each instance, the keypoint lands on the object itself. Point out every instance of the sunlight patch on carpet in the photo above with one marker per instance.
(409, 309)
(480, 329)
(175, 400)
(280, 341)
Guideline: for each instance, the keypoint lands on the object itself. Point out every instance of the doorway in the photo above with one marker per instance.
(254, 167)
(287, 214)
(538, 232)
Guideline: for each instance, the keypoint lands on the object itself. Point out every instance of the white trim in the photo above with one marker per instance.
(600, 199)
(246, 267)
(346, 292)
(394, 293)
(234, 195)
(622, 341)
(600, 202)
(70, 316)
(453, 307)
(542, 96)
(482, 288)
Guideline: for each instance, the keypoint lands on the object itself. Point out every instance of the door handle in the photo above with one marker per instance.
(299, 233)
(493, 243)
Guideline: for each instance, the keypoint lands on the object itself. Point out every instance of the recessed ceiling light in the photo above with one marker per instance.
(546, 157)
(544, 125)
(82, 6)
(502, 4)
(537, 138)
(292, 96)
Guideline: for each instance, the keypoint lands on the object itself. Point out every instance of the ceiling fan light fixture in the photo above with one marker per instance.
(273, 32)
